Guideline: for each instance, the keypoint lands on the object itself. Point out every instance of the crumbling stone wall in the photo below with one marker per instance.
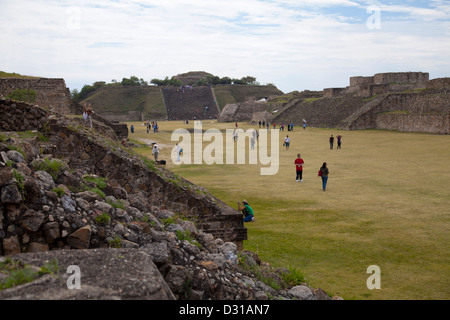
(416, 112)
(382, 83)
(418, 78)
(84, 148)
(50, 93)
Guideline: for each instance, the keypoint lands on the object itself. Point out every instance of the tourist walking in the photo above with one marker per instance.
(323, 173)
(155, 151)
(339, 141)
(246, 210)
(304, 124)
(287, 142)
(299, 168)
(331, 142)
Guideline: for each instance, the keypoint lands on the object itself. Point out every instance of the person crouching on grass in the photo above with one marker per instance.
(246, 210)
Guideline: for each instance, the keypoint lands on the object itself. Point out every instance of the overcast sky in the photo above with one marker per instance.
(294, 44)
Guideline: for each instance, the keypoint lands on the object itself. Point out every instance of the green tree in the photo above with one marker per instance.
(249, 80)
(225, 80)
(132, 81)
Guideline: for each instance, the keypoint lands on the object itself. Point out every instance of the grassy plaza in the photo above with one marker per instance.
(386, 204)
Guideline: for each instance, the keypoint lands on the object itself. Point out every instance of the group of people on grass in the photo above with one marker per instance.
(299, 162)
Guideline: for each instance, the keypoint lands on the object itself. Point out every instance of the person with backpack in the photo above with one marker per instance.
(323, 173)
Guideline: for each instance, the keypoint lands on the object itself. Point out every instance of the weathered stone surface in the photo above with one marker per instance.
(5, 175)
(31, 220)
(45, 180)
(15, 156)
(37, 247)
(159, 252)
(10, 194)
(81, 238)
(68, 203)
(11, 245)
(105, 274)
(51, 231)
(302, 293)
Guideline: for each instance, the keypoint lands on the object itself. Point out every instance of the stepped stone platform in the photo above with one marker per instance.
(187, 103)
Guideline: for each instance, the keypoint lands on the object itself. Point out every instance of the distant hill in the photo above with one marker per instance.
(192, 77)
(124, 102)
(226, 94)
(143, 102)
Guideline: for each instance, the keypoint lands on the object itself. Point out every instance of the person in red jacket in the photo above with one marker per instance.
(299, 168)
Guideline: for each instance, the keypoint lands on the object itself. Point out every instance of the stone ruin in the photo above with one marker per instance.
(50, 93)
(380, 83)
(53, 94)
(152, 235)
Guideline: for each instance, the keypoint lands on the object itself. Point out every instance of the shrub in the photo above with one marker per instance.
(100, 182)
(20, 182)
(116, 204)
(26, 95)
(186, 235)
(59, 191)
(19, 273)
(97, 191)
(103, 218)
(52, 167)
(116, 242)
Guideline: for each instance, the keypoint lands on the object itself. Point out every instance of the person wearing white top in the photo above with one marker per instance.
(155, 151)
(287, 142)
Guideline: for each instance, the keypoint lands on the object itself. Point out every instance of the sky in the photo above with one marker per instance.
(293, 44)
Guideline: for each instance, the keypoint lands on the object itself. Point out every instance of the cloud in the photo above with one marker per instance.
(294, 44)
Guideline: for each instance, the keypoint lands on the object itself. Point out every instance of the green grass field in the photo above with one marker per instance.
(387, 204)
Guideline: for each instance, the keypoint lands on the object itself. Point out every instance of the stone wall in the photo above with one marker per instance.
(358, 81)
(187, 103)
(333, 92)
(439, 83)
(261, 116)
(418, 122)
(130, 116)
(242, 111)
(382, 83)
(324, 112)
(50, 93)
(418, 78)
(92, 150)
(416, 112)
